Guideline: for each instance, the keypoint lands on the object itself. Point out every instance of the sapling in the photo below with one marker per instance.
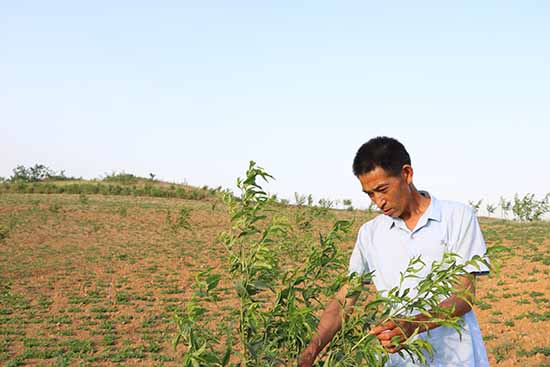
(475, 204)
(347, 204)
(279, 301)
(505, 206)
(299, 199)
(528, 208)
(491, 209)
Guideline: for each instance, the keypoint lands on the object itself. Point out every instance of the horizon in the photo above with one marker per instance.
(193, 92)
(480, 206)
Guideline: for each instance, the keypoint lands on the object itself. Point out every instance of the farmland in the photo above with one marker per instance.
(94, 279)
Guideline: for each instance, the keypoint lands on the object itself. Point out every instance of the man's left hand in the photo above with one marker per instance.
(388, 330)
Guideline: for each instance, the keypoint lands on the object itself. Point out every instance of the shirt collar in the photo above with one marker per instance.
(432, 212)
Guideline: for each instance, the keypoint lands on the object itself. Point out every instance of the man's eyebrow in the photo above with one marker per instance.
(377, 188)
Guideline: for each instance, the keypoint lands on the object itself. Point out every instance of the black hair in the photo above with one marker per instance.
(383, 152)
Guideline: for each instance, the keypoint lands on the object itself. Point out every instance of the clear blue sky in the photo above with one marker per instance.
(194, 90)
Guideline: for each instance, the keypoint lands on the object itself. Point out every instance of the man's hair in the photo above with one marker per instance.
(383, 152)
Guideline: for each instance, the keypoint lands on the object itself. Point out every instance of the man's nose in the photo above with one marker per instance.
(379, 201)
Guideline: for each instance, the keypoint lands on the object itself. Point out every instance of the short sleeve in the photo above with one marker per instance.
(358, 260)
(471, 243)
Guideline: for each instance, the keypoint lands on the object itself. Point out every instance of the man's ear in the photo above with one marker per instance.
(407, 173)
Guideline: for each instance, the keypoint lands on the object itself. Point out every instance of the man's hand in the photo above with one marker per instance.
(388, 330)
(385, 332)
(329, 324)
(306, 359)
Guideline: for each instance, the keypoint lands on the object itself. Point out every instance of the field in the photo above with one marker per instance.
(94, 280)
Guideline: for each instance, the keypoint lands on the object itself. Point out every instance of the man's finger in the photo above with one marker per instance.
(377, 330)
(389, 325)
(388, 335)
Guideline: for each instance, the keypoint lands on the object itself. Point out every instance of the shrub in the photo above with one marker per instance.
(121, 177)
(38, 172)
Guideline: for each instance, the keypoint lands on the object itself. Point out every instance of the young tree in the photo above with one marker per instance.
(528, 208)
(505, 206)
(491, 209)
(347, 204)
(299, 199)
(278, 303)
(38, 172)
(475, 205)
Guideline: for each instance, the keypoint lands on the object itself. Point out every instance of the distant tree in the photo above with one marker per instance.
(505, 206)
(347, 204)
(528, 208)
(372, 207)
(475, 205)
(326, 203)
(491, 209)
(300, 200)
(38, 172)
(60, 176)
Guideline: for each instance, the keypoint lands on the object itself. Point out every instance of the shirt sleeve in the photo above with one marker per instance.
(358, 260)
(471, 243)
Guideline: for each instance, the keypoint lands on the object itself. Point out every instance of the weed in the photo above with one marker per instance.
(108, 339)
(4, 232)
(489, 337)
(123, 298)
(501, 351)
(128, 353)
(182, 220)
(537, 350)
(83, 199)
(54, 208)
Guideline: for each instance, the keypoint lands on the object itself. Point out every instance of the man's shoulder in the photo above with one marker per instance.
(455, 209)
(374, 223)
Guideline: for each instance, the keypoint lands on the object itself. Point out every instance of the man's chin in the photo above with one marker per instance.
(393, 214)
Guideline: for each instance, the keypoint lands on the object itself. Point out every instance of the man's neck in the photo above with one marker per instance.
(419, 203)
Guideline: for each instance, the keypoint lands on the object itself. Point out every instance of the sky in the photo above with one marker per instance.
(192, 91)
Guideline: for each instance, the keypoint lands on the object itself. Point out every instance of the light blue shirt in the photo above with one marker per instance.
(385, 245)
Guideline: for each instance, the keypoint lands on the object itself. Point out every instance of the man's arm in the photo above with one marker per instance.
(388, 330)
(329, 324)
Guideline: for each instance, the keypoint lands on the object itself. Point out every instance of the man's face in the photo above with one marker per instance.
(391, 194)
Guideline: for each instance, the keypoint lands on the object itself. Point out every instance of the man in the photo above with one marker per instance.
(413, 223)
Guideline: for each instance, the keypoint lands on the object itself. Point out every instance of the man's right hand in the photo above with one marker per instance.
(306, 359)
(329, 324)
